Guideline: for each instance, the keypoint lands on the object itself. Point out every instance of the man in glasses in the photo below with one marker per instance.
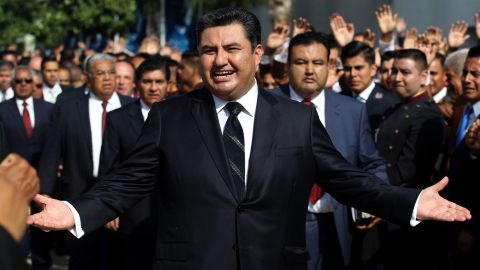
(26, 121)
(37, 85)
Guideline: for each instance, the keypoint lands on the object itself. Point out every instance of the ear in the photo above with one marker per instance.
(258, 53)
(373, 70)
(423, 77)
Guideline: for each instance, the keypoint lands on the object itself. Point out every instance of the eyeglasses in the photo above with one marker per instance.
(19, 81)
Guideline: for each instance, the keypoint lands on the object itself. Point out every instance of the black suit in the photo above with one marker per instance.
(133, 245)
(70, 143)
(202, 224)
(379, 105)
(30, 149)
(10, 257)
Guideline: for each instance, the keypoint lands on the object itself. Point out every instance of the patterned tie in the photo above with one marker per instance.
(26, 120)
(104, 116)
(316, 193)
(463, 125)
(234, 146)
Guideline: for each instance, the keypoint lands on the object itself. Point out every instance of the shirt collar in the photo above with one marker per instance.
(144, 106)
(366, 93)
(248, 101)
(318, 101)
(29, 101)
(112, 99)
(476, 108)
(440, 95)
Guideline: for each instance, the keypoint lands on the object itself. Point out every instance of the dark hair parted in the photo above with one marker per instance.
(308, 38)
(152, 64)
(388, 55)
(48, 59)
(358, 48)
(474, 52)
(416, 55)
(232, 15)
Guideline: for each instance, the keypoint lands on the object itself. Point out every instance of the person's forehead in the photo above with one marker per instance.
(157, 73)
(404, 63)
(51, 64)
(124, 67)
(22, 73)
(358, 59)
(225, 34)
(313, 49)
(102, 64)
(473, 62)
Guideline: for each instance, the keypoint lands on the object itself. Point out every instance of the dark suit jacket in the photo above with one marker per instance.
(3, 142)
(202, 224)
(348, 127)
(16, 136)
(121, 132)
(69, 143)
(410, 140)
(10, 257)
(379, 105)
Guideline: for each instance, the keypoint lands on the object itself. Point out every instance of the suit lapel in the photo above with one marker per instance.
(205, 115)
(136, 117)
(332, 114)
(17, 117)
(264, 129)
(84, 121)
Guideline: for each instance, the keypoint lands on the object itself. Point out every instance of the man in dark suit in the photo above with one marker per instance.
(26, 121)
(133, 244)
(329, 238)
(359, 71)
(410, 141)
(464, 165)
(232, 166)
(75, 140)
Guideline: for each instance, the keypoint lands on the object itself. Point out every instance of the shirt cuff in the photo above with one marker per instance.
(413, 220)
(386, 46)
(77, 230)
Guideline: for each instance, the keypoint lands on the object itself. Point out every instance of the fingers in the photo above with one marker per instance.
(440, 185)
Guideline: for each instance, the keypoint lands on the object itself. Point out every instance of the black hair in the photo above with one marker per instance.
(415, 55)
(308, 38)
(48, 59)
(152, 64)
(356, 48)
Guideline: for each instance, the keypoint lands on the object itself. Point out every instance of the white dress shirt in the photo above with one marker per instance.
(363, 96)
(8, 94)
(95, 110)
(145, 109)
(31, 112)
(246, 118)
(50, 94)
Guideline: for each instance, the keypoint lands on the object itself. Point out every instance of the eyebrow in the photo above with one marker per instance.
(233, 44)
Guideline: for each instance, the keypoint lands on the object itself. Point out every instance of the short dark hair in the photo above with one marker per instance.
(152, 64)
(358, 48)
(440, 57)
(308, 38)
(415, 55)
(388, 55)
(231, 15)
(48, 59)
(6, 65)
(474, 52)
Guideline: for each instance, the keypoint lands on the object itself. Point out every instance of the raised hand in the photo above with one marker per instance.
(424, 45)
(342, 31)
(431, 206)
(410, 39)
(401, 27)
(55, 215)
(386, 22)
(301, 26)
(434, 34)
(369, 37)
(276, 38)
(477, 26)
(457, 35)
(472, 138)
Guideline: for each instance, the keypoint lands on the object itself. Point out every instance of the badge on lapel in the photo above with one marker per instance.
(379, 95)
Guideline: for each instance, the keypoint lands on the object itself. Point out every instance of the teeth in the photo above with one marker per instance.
(222, 73)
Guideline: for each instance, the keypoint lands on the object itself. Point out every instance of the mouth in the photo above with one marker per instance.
(222, 75)
(308, 80)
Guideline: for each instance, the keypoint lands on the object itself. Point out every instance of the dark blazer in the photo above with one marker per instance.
(348, 127)
(3, 142)
(10, 257)
(16, 136)
(379, 104)
(69, 143)
(202, 224)
(410, 140)
(122, 130)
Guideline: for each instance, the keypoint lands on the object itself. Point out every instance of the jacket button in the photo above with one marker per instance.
(390, 147)
(396, 131)
(407, 116)
(389, 165)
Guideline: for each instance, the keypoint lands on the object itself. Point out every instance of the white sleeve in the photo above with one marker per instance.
(77, 229)
(413, 220)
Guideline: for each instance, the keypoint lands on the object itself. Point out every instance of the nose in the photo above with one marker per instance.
(221, 58)
(309, 68)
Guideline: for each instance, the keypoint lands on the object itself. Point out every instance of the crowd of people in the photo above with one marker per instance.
(404, 108)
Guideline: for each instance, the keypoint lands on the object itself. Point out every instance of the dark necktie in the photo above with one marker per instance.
(316, 193)
(104, 116)
(26, 120)
(234, 147)
(463, 125)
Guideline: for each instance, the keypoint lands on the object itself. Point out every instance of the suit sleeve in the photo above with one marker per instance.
(10, 257)
(51, 154)
(355, 187)
(420, 151)
(368, 155)
(130, 182)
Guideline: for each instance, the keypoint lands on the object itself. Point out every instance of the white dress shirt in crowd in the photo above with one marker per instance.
(7, 94)
(50, 94)
(440, 95)
(31, 112)
(363, 96)
(145, 109)
(95, 110)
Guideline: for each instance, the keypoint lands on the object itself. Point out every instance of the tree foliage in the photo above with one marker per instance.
(51, 21)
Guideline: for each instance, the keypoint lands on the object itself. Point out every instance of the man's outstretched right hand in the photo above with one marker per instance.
(55, 215)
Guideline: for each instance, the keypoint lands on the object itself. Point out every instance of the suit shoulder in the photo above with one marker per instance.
(344, 100)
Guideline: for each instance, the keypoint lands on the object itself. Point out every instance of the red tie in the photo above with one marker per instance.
(316, 193)
(104, 116)
(26, 120)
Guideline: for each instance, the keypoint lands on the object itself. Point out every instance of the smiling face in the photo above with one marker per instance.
(227, 61)
(308, 69)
